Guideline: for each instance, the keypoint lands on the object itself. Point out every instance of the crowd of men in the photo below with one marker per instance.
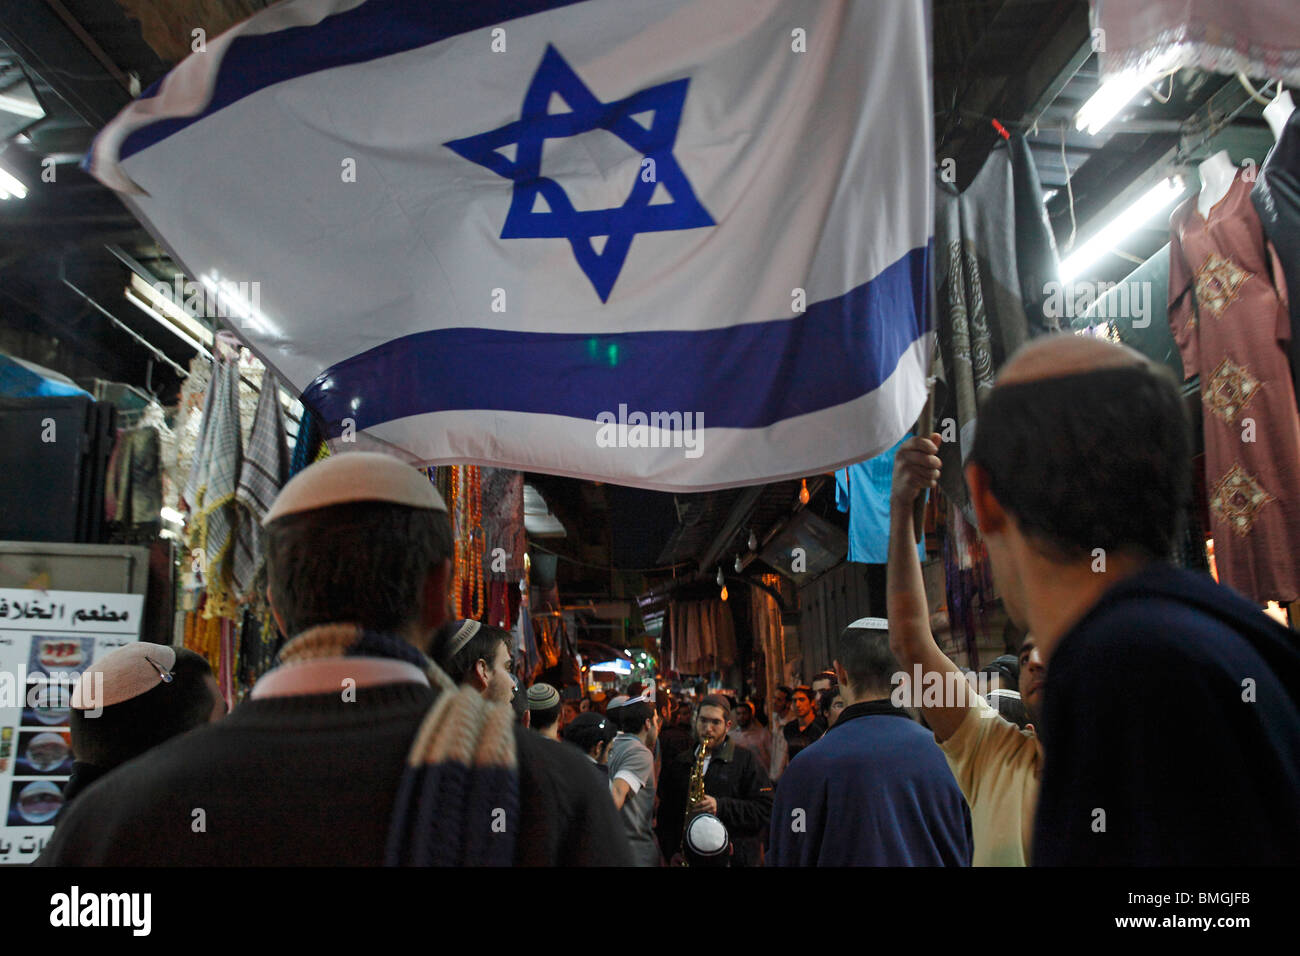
(390, 734)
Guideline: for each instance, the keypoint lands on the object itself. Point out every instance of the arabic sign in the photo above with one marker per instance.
(47, 639)
(78, 611)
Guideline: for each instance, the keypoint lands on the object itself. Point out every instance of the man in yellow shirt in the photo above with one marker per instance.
(997, 765)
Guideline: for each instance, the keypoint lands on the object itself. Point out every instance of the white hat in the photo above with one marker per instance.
(871, 624)
(355, 476)
(127, 672)
(706, 835)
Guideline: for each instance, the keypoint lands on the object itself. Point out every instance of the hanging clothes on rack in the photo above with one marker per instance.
(994, 257)
(133, 492)
(264, 472)
(1228, 312)
(210, 492)
(310, 443)
(703, 634)
(1258, 38)
(863, 491)
(1276, 197)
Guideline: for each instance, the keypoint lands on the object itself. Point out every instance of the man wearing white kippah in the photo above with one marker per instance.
(133, 699)
(875, 789)
(357, 749)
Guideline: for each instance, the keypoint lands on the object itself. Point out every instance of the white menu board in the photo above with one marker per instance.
(47, 638)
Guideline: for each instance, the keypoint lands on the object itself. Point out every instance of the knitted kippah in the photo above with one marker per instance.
(542, 697)
(355, 476)
(126, 673)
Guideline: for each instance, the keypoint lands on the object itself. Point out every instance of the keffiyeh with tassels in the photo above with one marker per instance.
(210, 491)
(265, 470)
(458, 801)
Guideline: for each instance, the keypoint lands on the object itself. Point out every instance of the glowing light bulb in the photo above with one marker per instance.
(739, 566)
(721, 579)
(724, 592)
(803, 491)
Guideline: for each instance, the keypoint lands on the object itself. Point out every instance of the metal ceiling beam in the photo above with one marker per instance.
(1162, 157)
(53, 51)
(1061, 46)
(1070, 50)
(740, 510)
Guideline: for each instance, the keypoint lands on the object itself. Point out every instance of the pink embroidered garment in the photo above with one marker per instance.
(1256, 37)
(1228, 313)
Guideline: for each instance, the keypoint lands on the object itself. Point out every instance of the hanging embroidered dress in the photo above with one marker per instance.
(1228, 312)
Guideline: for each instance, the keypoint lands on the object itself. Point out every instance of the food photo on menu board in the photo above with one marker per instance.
(44, 753)
(57, 655)
(35, 802)
(46, 704)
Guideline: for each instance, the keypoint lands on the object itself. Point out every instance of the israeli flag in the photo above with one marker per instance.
(680, 244)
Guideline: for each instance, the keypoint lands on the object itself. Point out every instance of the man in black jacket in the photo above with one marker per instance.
(737, 789)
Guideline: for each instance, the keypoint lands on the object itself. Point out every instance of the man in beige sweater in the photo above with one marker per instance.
(997, 765)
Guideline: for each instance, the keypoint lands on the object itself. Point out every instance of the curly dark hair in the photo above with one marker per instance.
(1098, 459)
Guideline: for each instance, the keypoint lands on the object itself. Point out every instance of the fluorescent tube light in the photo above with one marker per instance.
(20, 106)
(166, 323)
(10, 186)
(1156, 199)
(164, 303)
(1115, 93)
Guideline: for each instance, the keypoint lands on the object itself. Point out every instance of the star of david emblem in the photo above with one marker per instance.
(556, 217)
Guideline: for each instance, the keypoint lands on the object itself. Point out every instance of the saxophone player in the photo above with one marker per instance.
(736, 788)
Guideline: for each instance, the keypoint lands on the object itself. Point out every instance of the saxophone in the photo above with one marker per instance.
(695, 791)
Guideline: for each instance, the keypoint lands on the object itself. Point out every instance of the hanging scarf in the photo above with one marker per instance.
(265, 470)
(458, 801)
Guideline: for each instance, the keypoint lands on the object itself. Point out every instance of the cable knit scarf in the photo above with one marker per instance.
(458, 802)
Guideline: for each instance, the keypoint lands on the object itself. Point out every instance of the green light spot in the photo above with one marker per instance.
(613, 354)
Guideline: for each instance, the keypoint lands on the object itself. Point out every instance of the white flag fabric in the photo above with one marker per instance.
(680, 245)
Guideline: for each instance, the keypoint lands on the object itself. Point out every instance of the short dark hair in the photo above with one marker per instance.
(1099, 459)
(631, 718)
(1007, 668)
(826, 697)
(588, 733)
(480, 647)
(827, 675)
(864, 654)
(717, 700)
(363, 562)
(539, 719)
(124, 731)
(805, 690)
(782, 688)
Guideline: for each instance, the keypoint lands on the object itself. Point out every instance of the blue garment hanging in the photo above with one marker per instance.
(863, 491)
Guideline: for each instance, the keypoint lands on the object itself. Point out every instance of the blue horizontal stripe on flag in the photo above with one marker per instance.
(742, 376)
(376, 29)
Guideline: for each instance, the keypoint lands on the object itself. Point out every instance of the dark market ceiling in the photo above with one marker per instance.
(1027, 63)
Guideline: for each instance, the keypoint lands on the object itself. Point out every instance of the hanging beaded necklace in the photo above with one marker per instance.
(467, 513)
